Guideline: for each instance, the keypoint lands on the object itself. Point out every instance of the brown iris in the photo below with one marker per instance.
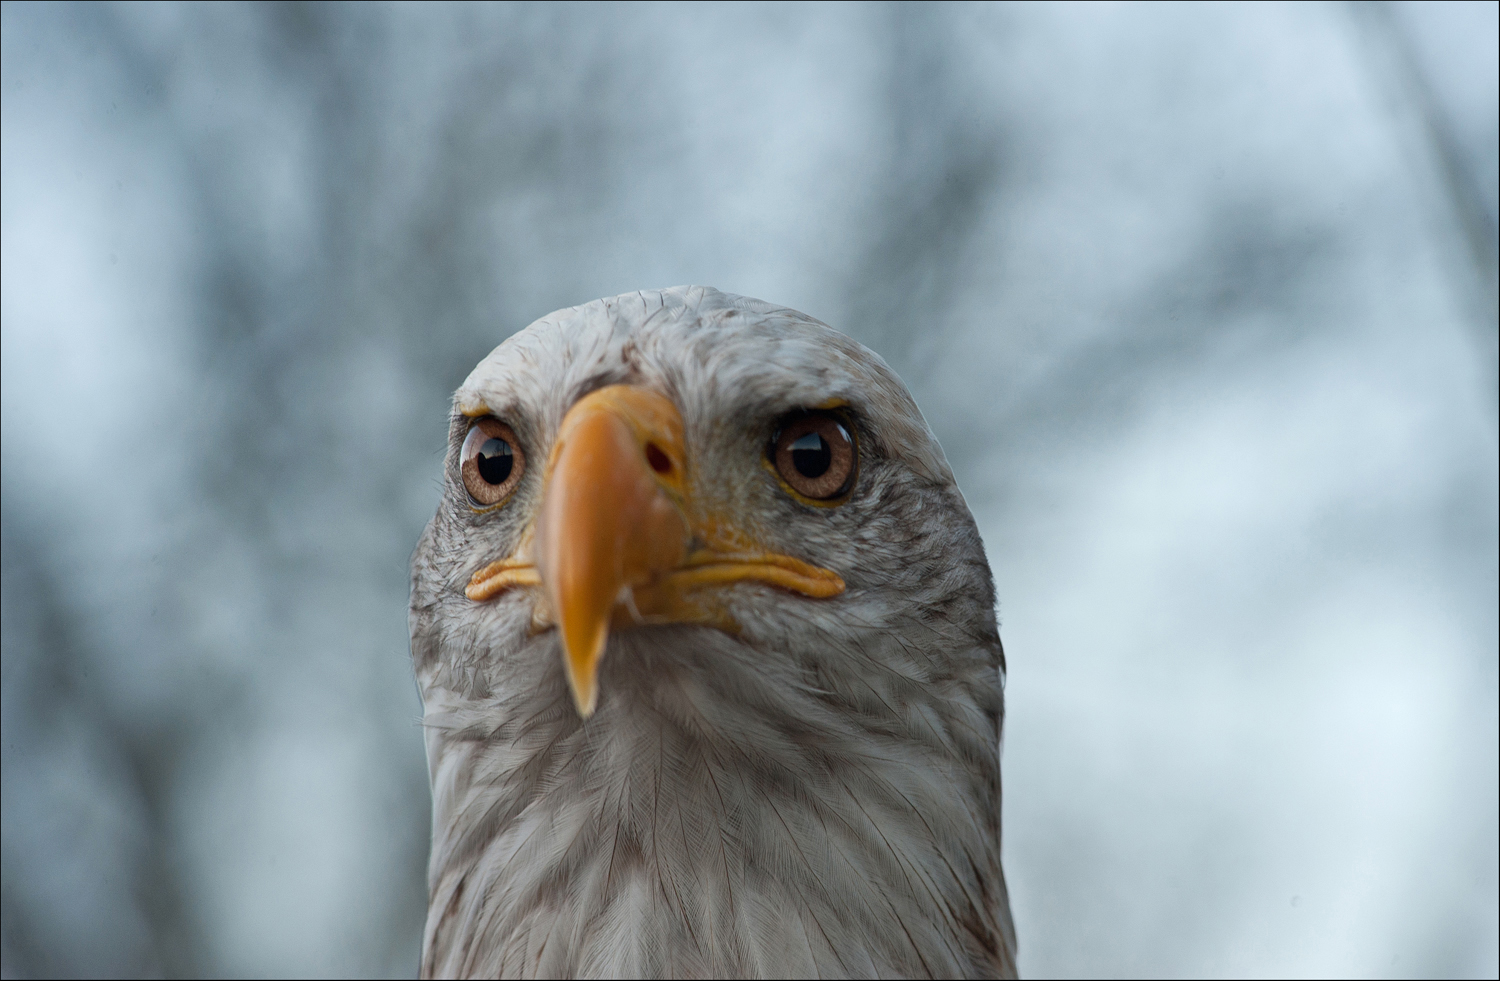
(814, 454)
(491, 461)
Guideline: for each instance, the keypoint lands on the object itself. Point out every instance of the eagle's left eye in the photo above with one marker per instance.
(814, 454)
(491, 461)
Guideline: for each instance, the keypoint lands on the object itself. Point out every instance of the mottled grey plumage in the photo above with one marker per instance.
(818, 794)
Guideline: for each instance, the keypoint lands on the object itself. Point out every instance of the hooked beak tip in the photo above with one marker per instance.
(581, 656)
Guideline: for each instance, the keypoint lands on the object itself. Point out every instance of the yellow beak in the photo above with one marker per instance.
(613, 536)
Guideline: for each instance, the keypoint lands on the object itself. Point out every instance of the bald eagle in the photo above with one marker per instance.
(707, 648)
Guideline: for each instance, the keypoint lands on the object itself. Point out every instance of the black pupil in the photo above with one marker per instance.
(811, 455)
(495, 461)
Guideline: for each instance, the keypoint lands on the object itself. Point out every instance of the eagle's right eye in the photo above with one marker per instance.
(492, 462)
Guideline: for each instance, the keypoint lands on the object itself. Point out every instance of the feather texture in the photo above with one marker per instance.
(817, 794)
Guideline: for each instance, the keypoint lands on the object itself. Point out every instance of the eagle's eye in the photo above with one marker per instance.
(814, 454)
(492, 462)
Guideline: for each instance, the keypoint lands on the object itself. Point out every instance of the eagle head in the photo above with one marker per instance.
(711, 677)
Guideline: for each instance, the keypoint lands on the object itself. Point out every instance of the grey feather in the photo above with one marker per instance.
(817, 795)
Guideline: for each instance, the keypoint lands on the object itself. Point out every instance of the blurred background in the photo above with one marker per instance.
(1200, 300)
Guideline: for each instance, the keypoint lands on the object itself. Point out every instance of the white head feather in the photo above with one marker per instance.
(816, 794)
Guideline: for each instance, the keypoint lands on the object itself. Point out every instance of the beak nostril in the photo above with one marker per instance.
(658, 459)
